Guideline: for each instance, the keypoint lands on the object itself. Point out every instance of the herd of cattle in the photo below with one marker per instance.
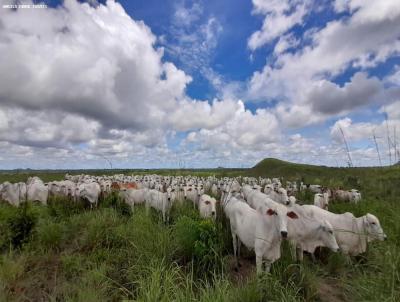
(262, 212)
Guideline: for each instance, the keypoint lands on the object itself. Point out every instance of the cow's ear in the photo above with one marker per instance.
(270, 212)
(292, 215)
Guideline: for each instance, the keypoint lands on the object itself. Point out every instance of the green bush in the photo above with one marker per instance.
(60, 207)
(19, 226)
(115, 202)
(184, 209)
(200, 242)
(50, 234)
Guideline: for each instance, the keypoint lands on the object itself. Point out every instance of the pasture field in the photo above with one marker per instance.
(67, 252)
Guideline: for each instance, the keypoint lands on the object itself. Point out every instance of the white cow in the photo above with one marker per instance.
(215, 190)
(89, 191)
(260, 230)
(292, 201)
(278, 195)
(355, 196)
(133, 197)
(351, 196)
(307, 233)
(179, 193)
(14, 194)
(321, 200)
(352, 234)
(160, 201)
(207, 206)
(191, 194)
(37, 190)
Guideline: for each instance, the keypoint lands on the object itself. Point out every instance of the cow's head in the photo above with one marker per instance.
(209, 208)
(268, 189)
(200, 191)
(282, 196)
(280, 215)
(327, 236)
(170, 194)
(373, 228)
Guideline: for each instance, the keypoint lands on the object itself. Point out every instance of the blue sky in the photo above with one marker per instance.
(206, 83)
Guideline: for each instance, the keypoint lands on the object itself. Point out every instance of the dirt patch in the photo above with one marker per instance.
(39, 279)
(243, 273)
(329, 290)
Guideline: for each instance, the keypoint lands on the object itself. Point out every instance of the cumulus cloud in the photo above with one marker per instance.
(351, 131)
(87, 84)
(280, 16)
(243, 130)
(45, 128)
(194, 114)
(385, 132)
(302, 76)
(297, 116)
(284, 43)
(92, 61)
(329, 98)
(392, 110)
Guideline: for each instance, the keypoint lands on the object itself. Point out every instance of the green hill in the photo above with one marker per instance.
(273, 167)
(375, 181)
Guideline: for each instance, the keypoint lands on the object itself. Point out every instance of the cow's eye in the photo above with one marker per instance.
(330, 232)
(373, 223)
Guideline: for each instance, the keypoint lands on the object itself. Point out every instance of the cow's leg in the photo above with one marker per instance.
(313, 257)
(239, 244)
(300, 254)
(347, 258)
(267, 266)
(235, 256)
(259, 262)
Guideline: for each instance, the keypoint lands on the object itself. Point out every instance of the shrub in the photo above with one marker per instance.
(115, 202)
(199, 242)
(49, 234)
(20, 226)
(60, 207)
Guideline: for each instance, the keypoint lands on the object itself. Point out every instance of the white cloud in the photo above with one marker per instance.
(45, 128)
(392, 110)
(96, 62)
(86, 85)
(185, 16)
(284, 43)
(297, 116)
(304, 77)
(351, 131)
(194, 114)
(243, 131)
(280, 16)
